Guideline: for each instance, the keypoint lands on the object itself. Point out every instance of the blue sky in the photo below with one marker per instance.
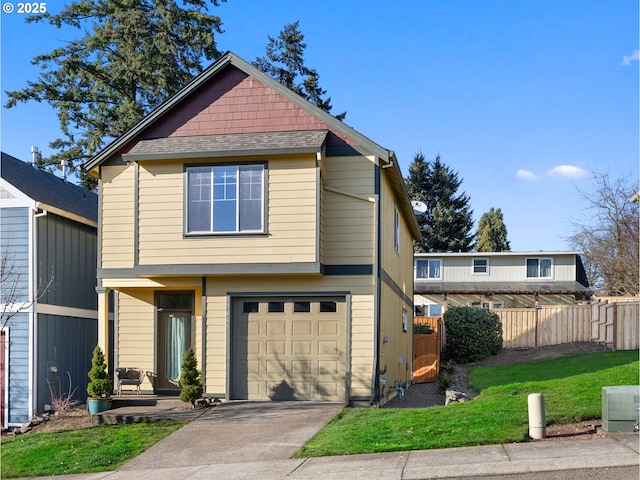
(523, 99)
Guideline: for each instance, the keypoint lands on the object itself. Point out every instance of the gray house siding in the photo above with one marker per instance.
(14, 236)
(14, 243)
(65, 344)
(19, 411)
(67, 255)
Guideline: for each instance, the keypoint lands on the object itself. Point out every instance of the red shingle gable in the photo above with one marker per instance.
(234, 102)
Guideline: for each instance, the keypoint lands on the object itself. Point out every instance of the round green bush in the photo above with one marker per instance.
(472, 334)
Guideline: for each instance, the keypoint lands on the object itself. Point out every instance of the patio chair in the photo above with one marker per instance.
(129, 376)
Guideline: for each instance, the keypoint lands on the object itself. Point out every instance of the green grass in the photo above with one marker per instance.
(89, 450)
(572, 387)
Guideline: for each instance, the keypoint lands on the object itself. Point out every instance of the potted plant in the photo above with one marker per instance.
(100, 386)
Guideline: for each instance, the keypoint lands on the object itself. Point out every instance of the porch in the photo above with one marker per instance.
(131, 408)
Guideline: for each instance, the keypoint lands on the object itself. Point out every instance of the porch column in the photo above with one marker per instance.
(103, 321)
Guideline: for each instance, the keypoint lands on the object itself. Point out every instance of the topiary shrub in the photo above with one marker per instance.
(100, 385)
(472, 334)
(190, 378)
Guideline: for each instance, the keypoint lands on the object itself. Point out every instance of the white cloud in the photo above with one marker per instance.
(627, 59)
(568, 171)
(525, 175)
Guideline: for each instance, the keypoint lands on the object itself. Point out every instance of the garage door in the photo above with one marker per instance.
(288, 349)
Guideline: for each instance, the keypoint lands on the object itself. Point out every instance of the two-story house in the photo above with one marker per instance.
(240, 220)
(48, 245)
(497, 279)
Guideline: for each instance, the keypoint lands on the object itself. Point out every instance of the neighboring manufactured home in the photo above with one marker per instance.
(48, 243)
(497, 280)
(240, 220)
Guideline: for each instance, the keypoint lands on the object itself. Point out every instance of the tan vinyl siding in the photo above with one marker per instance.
(396, 353)
(137, 325)
(347, 211)
(361, 288)
(398, 265)
(117, 193)
(136, 337)
(291, 219)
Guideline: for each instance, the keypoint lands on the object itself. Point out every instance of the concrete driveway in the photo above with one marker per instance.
(235, 432)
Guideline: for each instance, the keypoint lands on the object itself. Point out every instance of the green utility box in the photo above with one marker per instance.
(620, 408)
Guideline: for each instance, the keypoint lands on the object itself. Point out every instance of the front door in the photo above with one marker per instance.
(175, 337)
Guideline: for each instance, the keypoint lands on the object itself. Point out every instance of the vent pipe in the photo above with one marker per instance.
(65, 169)
(36, 156)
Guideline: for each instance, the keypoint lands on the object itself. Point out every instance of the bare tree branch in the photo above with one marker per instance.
(14, 291)
(608, 235)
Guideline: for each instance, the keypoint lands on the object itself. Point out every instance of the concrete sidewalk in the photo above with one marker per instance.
(253, 440)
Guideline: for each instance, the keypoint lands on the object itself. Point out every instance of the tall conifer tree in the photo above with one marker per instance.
(128, 58)
(284, 61)
(446, 225)
(492, 233)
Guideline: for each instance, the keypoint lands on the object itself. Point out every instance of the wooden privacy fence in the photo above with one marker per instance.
(612, 322)
(544, 325)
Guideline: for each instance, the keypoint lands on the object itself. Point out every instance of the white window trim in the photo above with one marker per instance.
(226, 233)
(473, 272)
(415, 269)
(539, 259)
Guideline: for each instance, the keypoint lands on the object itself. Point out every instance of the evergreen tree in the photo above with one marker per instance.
(129, 57)
(492, 233)
(446, 225)
(285, 63)
(100, 381)
(190, 378)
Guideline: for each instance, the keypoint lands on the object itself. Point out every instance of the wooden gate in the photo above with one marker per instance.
(426, 350)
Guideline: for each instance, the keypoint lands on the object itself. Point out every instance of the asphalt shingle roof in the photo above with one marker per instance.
(46, 188)
(500, 287)
(290, 141)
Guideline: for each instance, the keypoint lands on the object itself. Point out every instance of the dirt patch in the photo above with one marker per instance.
(75, 419)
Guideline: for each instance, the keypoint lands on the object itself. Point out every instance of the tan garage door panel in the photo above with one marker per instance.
(289, 350)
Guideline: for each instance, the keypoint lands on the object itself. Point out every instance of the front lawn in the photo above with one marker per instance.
(572, 387)
(96, 449)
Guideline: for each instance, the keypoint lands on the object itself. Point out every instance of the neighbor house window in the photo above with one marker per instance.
(429, 269)
(225, 199)
(430, 310)
(539, 268)
(405, 320)
(481, 266)
(396, 230)
(485, 305)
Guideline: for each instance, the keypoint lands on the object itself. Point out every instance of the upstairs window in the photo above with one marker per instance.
(481, 266)
(429, 269)
(225, 199)
(539, 268)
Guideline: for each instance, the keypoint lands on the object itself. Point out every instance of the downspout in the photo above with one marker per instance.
(203, 358)
(375, 380)
(33, 298)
